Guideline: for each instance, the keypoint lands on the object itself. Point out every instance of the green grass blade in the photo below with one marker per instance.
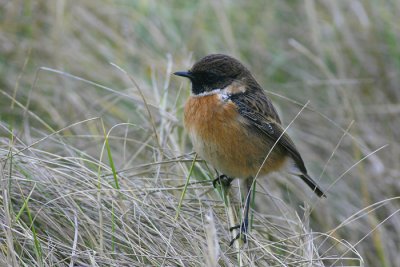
(185, 187)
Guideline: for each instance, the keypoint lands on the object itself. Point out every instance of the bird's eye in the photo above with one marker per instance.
(211, 77)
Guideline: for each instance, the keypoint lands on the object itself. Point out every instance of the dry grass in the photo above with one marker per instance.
(94, 160)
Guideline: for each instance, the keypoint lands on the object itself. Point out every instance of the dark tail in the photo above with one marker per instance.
(312, 184)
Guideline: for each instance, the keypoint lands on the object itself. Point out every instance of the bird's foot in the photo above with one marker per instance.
(243, 227)
(222, 180)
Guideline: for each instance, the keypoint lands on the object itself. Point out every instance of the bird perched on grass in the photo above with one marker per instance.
(234, 126)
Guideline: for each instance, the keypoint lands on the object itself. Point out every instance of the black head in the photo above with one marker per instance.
(215, 71)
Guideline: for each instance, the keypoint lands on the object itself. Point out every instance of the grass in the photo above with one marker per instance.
(95, 163)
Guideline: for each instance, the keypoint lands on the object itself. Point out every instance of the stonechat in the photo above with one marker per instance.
(234, 126)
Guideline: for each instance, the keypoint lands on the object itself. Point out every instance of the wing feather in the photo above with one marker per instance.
(256, 108)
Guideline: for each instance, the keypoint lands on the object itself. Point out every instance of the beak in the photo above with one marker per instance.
(186, 74)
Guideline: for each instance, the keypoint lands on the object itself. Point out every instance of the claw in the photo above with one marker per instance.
(236, 238)
(222, 180)
(235, 227)
(244, 226)
(242, 233)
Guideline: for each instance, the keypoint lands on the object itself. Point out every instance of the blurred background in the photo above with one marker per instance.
(73, 125)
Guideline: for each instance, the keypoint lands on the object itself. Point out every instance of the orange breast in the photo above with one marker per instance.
(221, 138)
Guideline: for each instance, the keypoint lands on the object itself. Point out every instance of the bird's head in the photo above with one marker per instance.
(215, 71)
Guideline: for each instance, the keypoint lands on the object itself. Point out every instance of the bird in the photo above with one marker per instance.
(234, 126)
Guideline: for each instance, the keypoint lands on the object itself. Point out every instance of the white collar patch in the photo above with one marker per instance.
(222, 93)
(213, 92)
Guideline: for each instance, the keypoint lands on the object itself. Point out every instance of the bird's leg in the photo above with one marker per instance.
(244, 226)
(223, 180)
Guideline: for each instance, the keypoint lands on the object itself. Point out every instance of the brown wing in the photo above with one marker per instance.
(259, 112)
(256, 105)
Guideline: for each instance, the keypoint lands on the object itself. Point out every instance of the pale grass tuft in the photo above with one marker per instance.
(213, 249)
